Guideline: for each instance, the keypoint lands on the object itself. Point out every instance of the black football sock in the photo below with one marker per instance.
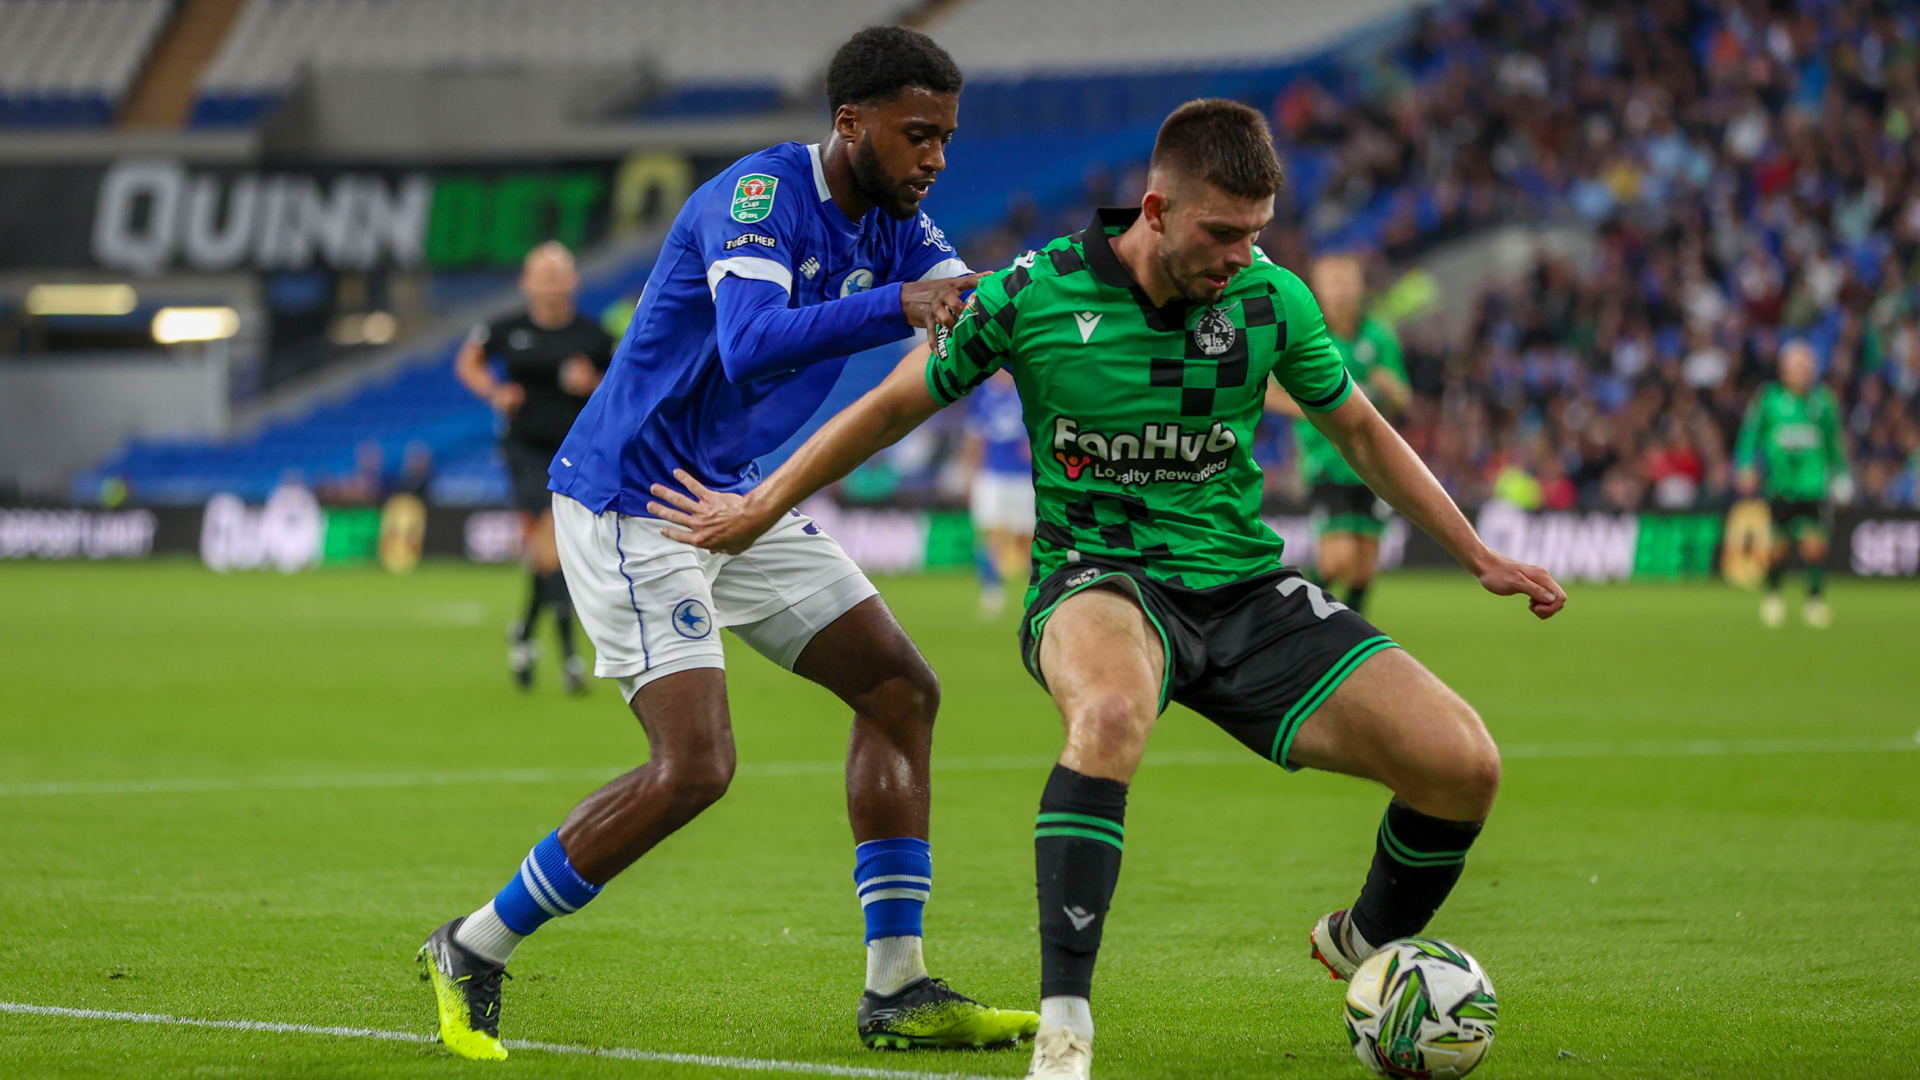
(1776, 571)
(536, 599)
(553, 593)
(1416, 860)
(1816, 581)
(1076, 855)
(1357, 598)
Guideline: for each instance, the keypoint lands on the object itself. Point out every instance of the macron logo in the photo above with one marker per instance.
(1078, 916)
(1087, 320)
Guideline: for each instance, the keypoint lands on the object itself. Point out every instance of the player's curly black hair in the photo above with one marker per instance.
(1222, 142)
(877, 63)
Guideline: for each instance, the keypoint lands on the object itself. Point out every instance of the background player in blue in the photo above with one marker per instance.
(775, 270)
(999, 489)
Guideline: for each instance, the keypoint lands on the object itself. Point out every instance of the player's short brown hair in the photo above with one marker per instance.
(1222, 142)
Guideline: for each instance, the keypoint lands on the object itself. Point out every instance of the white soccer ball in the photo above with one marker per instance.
(1421, 1008)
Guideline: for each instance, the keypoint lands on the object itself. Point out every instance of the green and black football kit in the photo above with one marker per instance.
(1345, 501)
(1796, 440)
(1140, 419)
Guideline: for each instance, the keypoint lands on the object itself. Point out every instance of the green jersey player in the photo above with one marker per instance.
(1350, 524)
(1141, 348)
(1791, 452)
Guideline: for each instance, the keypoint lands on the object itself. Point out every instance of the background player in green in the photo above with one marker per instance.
(1141, 348)
(1349, 542)
(1791, 452)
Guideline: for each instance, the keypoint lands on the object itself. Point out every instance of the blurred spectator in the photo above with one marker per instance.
(1750, 170)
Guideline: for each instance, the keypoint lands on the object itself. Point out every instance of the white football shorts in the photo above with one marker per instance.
(1002, 501)
(654, 606)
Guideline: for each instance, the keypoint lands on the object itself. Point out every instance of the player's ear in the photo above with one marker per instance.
(847, 122)
(1154, 205)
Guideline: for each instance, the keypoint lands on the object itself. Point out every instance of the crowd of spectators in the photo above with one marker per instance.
(1750, 174)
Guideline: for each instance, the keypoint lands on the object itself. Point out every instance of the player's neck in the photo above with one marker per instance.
(836, 164)
(550, 317)
(1135, 250)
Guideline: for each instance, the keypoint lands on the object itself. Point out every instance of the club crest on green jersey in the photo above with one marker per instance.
(1215, 332)
(753, 197)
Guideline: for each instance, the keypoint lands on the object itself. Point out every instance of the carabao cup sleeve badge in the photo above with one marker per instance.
(753, 197)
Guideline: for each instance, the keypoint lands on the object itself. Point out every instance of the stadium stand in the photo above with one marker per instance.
(69, 62)
(417, 401)
(997, 38)
(682, 41)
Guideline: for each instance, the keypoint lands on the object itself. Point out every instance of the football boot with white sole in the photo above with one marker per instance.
(1061, 1054)
(926, 1013)
(466, 990)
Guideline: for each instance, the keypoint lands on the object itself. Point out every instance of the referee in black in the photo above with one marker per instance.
(554, 357)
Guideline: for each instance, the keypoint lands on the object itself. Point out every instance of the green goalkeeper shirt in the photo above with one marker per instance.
(1140, 417)
(1796, 438)
(1373, 347)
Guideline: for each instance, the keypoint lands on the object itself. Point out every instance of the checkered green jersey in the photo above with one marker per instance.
(1373, 346)
(1796, 438)
(1141, 417)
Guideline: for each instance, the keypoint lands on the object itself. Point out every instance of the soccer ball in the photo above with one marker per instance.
(1421, 1008)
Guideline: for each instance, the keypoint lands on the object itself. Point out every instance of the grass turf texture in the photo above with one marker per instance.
(1656, 916)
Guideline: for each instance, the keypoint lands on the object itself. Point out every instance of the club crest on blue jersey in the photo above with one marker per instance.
(858, 281)
(691, 619)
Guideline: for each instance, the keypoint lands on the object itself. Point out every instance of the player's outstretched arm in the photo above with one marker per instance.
(1395, 473)
(726, 523)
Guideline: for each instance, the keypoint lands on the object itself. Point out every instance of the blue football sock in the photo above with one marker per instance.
(546, 886)
(894, 878)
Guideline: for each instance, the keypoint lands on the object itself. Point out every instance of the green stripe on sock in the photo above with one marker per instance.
(1321, 690)
(1403, 854)
(1084, 834)
(1082, 819)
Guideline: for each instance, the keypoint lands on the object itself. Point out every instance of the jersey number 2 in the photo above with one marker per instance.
(1322, 607)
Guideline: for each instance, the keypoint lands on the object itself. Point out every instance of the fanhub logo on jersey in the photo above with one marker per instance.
(1190, 456)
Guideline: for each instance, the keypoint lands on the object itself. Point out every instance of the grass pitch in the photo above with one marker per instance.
(249, 797)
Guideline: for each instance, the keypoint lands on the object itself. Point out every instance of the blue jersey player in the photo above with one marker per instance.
(775, 270)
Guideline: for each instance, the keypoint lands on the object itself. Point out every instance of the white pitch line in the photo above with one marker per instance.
(1510, 751)
(709, 1061)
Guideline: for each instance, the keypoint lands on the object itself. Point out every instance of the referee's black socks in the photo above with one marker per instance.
(1416, 860)
(1076, 852)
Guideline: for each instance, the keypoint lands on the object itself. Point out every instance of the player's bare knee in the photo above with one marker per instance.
(909, 699)
(693, 785)
(1107, 723)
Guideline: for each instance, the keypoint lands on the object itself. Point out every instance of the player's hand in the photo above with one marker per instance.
(930, 303)
(1506, 577)
(508, 397)
(713, 520)
(578, 376)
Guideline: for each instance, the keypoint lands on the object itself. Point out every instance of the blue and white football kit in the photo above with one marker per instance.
(762, 290)
(1002, 493)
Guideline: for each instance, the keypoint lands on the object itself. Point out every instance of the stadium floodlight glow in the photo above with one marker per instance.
(174, 325)
(81, 300)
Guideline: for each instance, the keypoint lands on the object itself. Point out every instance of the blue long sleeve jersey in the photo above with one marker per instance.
(762, 291)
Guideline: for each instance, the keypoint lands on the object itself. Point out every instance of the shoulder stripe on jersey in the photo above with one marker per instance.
(1323, 402)
(1066, 261)
(819, 173)
(946, 268)
(745, 266)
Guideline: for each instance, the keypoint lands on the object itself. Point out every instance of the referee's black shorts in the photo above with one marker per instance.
(527, 464)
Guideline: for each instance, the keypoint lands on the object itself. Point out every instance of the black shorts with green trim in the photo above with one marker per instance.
(1797, 517)
(1348, 508)
(1256, 657)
